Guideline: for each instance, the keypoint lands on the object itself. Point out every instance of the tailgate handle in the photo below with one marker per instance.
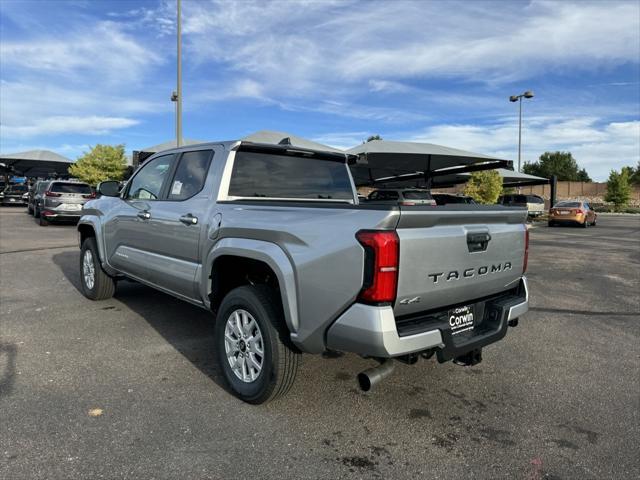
(477, 242)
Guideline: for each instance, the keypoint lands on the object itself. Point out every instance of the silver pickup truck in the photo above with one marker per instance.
(275, 242)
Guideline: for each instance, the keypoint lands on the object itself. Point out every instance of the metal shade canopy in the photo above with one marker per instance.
(168, 145)
(35, 163)
(510, 178)
(283, 138)
(389, 162)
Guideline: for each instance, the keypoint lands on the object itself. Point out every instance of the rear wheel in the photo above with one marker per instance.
(551, 224)
(29, 210)
(252, 344)
(43, 221)
(585, 224)
(96, 284)
(36, 212)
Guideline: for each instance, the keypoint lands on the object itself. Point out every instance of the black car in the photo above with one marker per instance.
(448, 199)
(14, 194)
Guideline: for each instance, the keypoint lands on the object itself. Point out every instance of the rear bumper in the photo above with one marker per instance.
(13, 201)
(567, 218)
(373, 331)
(61, 215)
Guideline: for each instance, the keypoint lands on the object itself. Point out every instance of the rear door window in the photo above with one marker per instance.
(260, 175)
(77, 188)
(190, 175)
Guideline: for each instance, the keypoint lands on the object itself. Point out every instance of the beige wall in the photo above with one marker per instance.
(591, 191)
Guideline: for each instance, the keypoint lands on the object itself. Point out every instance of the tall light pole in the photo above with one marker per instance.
(176, 96)
(518, 98)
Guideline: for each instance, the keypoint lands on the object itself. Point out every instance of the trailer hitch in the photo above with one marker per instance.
(469, 359)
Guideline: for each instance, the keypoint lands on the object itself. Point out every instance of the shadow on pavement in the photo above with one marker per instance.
(8, 353)
(189, 329)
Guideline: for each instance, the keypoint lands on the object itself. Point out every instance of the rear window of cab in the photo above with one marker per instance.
(260, 175)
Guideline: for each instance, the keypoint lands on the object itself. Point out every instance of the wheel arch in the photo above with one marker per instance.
(90, 227)
(244, 255)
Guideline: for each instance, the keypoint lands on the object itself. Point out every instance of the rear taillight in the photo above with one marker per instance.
(52, 194)
(407, 204)
(90, 195)
(526, 249)
(382, 254)
(579, 212)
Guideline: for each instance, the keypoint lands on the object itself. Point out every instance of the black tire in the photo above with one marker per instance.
(551, 224)
(103, 286)
(585, 224)
(43, 221)
(279, 362)
(29, 210)
(36, 212)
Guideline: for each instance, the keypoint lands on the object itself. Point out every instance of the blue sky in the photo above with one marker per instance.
(77, 73)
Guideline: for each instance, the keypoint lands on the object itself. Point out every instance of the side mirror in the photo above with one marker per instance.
(110, 188)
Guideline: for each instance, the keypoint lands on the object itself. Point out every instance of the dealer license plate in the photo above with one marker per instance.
(70, 206)
(461, 319)
(564, 213)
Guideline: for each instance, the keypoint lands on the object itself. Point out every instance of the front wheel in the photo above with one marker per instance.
(96, 284)
(252, 345)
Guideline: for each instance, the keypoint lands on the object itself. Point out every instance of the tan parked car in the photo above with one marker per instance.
(572, 212)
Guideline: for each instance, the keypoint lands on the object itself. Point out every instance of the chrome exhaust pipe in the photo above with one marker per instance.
(372, 376)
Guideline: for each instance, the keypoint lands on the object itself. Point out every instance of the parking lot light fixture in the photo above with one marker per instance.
(518, 98)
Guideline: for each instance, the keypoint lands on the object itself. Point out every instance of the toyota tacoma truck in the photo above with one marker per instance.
(274, 241)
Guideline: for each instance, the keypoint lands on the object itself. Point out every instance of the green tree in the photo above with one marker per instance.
(618, 188)
(102, 162)
(634, 174)
(583, 176)
(484, 186)
(561, 164)
(374, 137)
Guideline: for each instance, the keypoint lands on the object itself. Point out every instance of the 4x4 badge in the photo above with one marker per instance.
(408, 301)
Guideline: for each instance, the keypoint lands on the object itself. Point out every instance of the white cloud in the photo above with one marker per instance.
(318, 48)
(90, 125)
(103, 50)
(595, 145)
(90, 80)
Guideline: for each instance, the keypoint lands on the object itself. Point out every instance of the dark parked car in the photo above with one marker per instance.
(63, 201)
(448, 199)
(404, 196)
(14, 194)
(36, 194)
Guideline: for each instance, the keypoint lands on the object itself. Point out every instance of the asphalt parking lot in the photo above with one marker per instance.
(559, 398)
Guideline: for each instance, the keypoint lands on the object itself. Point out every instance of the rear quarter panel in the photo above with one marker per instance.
(320, 243)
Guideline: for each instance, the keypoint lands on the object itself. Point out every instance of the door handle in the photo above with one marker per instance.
(144, 215)
(189, 219)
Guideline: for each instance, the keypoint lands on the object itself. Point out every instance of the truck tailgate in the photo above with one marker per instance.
(456, 254)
